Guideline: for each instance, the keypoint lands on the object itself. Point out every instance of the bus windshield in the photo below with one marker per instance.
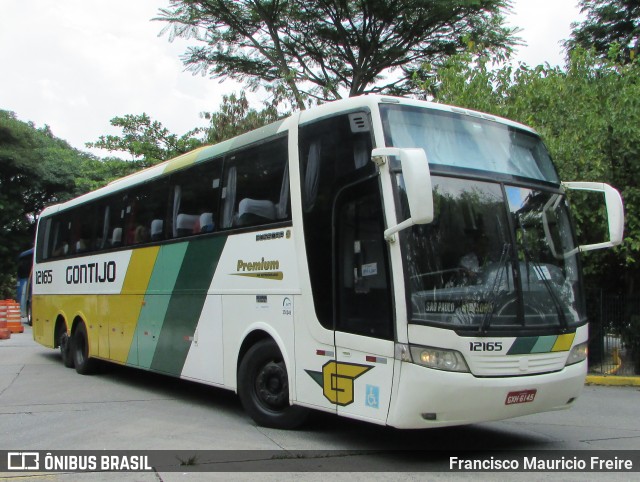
(463, 141)
(495, 257)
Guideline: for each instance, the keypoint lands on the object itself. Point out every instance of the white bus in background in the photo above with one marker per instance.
(390, 260)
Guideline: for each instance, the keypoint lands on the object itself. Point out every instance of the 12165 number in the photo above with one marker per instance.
(485, 346)
(44, 277)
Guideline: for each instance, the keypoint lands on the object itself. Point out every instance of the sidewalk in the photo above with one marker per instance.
(613, 380)
(622, 374)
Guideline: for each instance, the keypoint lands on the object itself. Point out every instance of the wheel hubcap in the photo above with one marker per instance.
(272, 386)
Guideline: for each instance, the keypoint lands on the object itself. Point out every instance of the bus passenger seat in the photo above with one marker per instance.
(255, 211)
(116, 237)
(206, 223)
(185, 224)
(81, 246)
(156, 229)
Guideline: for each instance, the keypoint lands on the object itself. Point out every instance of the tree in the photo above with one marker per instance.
(235, 117)
(324, 49)
(608, 22)
(588, 115)
(94, 173)
(36, 169)
(148, 142)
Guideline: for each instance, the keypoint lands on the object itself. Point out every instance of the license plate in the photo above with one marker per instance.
(523, 396)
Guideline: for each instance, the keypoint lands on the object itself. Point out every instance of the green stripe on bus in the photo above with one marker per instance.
(209, 152)
(183, 312)
(156, 302)
(541, 344)
(523, 345)
(544, 344)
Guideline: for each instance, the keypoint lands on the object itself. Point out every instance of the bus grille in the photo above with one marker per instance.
(485, 365)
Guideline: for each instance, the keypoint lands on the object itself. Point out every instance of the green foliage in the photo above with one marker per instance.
(94, 173)
(588, 114)
(631, 340)
(36, 169)
(608, 23)
(324, 49)
(235, 117)
(148, 142)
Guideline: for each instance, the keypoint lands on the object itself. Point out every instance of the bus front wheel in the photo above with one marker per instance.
(80, 351)
(263, 387)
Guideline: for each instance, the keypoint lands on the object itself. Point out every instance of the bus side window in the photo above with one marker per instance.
(113, 221)
(83, 227)
(195, 195)
(334, 153)
(256, 190)
(61, 236)
(145, 204)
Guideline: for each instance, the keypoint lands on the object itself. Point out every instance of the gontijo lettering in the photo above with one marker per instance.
(91, 273)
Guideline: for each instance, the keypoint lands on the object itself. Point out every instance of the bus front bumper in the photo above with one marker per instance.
(425, 398)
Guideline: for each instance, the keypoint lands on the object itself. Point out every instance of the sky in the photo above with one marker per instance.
(76, 64)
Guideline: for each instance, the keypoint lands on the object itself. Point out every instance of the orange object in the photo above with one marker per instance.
(3, 314)
(5, 334)
(14, 324)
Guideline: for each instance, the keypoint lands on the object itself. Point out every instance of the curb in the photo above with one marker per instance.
(613, 381)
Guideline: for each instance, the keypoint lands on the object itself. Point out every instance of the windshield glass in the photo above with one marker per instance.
(464, 141)
(495, 257)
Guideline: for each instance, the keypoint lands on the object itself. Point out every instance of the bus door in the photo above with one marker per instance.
(363, 313)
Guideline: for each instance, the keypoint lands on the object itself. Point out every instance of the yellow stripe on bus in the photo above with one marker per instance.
(139, 270)
(564, 342)
(124, 309)
(182, 161)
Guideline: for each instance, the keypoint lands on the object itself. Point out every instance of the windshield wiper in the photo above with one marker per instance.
(541, 275)
(493, 292)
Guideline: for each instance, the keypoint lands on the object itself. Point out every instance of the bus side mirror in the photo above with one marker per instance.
(615, 212)
(417, 184)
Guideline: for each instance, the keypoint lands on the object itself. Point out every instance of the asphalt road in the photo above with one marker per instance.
(45, 406)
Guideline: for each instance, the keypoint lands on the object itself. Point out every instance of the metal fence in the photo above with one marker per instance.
(612, 322)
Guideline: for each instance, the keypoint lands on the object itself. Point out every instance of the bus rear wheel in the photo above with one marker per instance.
(65, 349)
(263, 387)
(80, 351)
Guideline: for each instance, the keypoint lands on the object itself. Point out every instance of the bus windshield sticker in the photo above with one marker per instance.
(370, 269)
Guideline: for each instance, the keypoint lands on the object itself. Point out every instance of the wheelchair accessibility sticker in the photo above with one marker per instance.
(373, 396)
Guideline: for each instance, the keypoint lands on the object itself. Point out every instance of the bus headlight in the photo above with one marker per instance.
(578, 353)
(438, 358)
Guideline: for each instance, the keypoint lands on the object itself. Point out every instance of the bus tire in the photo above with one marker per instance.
(80, 351)
(263, 388)
(65, 349)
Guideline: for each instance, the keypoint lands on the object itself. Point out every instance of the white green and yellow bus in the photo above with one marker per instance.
(390, 260)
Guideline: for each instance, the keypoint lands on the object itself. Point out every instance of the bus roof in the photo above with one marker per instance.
(370, 101)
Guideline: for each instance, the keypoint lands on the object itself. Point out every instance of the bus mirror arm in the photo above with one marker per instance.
(615, 212)
(417, 185)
